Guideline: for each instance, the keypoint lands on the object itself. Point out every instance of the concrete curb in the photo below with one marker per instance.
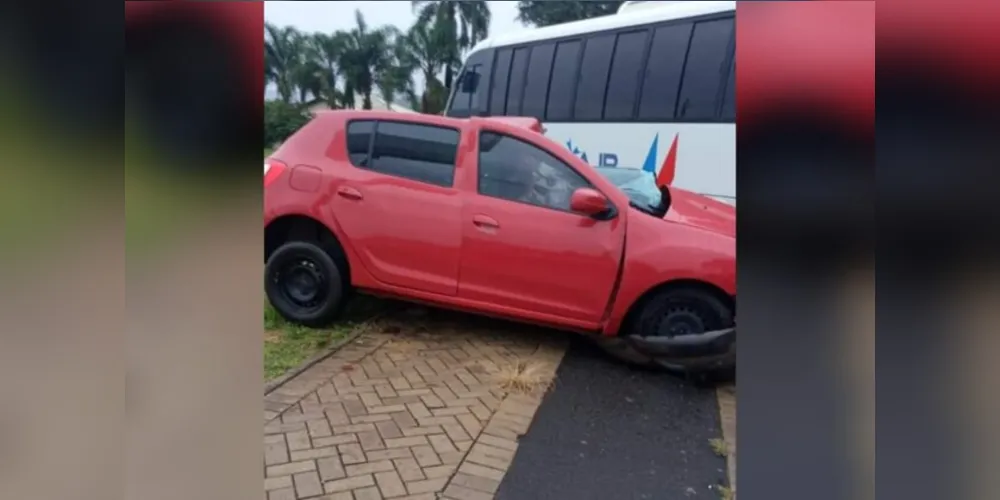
(727, 402)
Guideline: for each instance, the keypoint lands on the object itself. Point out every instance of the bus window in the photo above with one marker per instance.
(468, 98)
(536, 88)
(705, 72)
(729, 98)
(515, 91)
(593, 78)
(663, 72)
(624, 82)
(560, 105)
(498, 89)
(462, 96)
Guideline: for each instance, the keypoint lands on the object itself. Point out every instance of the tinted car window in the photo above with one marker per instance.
(515, 91)
(536, 88)
(359, 136)
(624, 81)
(663, 72)
(593, 78)
(420, 152)
(514, 170)
(498, 88)
(560, 105)
(706, 70)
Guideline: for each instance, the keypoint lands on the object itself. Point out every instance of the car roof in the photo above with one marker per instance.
(519, 122)
(372, 114)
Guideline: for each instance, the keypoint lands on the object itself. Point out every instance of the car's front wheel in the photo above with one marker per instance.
(683, 329)
(304, 284)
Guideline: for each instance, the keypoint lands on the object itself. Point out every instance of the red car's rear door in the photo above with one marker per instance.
(398, 205)
(522, 247)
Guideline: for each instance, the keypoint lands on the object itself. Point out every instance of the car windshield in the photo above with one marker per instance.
(639, 185)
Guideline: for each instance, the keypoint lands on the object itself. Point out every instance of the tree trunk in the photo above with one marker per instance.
(452, 22)
(285, 91)
(367, 103)
(447, 77)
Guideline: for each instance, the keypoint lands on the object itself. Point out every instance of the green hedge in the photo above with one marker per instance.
(281, 120)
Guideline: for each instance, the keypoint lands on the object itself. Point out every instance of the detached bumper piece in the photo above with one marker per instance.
(704, 351)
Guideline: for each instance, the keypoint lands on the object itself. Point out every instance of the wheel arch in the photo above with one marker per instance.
(706, 286)
(298, 227)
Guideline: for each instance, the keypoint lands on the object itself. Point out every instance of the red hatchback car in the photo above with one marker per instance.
(488, 215)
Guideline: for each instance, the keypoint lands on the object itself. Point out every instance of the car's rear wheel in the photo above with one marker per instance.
(670, 313)
(304, 284)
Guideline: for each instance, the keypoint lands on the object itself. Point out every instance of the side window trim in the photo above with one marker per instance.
(640, 78)
(370, 159)
(494, 57)
(548, 81)
(486, 130)
(730, 67)
(576, 78)
(607, 79)
(680, 86)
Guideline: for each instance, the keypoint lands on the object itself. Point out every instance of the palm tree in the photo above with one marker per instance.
(282, 53)
(396, 78)
(463, 23)
(308, 77)
(424, 48)
(367, 54)
(325, 52)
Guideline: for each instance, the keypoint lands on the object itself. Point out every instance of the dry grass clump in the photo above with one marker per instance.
(719, 447)
(521, 377)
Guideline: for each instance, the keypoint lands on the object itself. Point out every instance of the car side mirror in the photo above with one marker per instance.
(590, 202)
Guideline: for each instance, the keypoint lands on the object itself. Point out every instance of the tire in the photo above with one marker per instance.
(699, 310)
(304, 284)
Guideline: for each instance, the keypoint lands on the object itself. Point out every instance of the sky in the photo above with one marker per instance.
(329, 16)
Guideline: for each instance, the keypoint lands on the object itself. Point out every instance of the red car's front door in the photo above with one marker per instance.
(522, 247)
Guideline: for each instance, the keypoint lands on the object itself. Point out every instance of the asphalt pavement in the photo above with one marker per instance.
(608, 432)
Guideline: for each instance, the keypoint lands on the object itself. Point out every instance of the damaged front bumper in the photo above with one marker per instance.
(715, 350)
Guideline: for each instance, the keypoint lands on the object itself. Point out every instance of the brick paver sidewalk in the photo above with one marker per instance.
(404, 414)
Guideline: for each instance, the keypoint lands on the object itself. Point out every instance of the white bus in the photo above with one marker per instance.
(651, 87)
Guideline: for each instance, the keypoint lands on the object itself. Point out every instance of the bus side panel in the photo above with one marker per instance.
(705, 159)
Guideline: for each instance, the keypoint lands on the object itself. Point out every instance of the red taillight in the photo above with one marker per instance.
(272, 170)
